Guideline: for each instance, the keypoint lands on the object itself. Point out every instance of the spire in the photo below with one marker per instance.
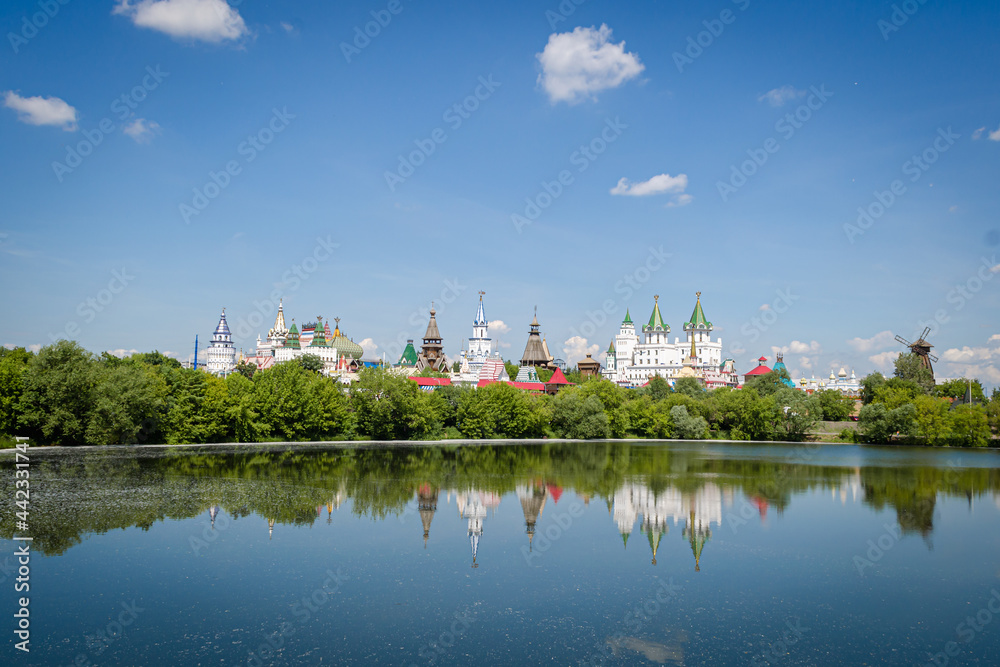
(432, 332)
(480, 314)
(223, 328)
(611, 348)
(655, 320)
(292, 340)
(628, 318)
(698, 320)
(279, 321)
(319, 336)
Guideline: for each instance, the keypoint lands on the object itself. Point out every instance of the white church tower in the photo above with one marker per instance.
(480, 347)
(221, 351)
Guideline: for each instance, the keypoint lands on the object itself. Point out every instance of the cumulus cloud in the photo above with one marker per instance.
(41, 110)
(498, 326)
(577, 65)
(879, 341)
(369, 347)
(288, 27)
(798, 347)
(205, 20)
(884, 360)
(995, 135)
(577, 347)
(778, 97)
(680, 200)
(142, 130)
(968, 355)
(121, 352)
(978, 133)
(657, 185)
(807, 362)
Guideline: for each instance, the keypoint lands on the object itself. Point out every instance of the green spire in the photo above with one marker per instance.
(319, 335)
(655, 320)
(409, 356)
(628, 318)
(611, 348)
(654, 542)
(292, 338)
(698, 320)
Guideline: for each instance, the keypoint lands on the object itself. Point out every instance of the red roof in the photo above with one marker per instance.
(760, 370)
(558, 378)
(431, 382)
(528, 386)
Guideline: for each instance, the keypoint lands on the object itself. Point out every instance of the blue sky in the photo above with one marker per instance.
(311, 131)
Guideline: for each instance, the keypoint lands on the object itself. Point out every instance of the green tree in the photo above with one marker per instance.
(57, 396)
(648, 418)
(658, 388)
(247, 370)
(896, 392)
(389, 407)
(129, 404)
(13, 365)
(957, 388)
(768, 383)
(511, 368)
(878, 424)
(612, 397)
(499, 410)
(456, 367)
(835, 406)
(690, 387)
(795, 414)
(575, 415)
(744, 413)
(241, 410)
(933, 422)
(686, 426)
(311, 362)
(969, 426)
(869, 385)
(909, 366)
(155, 358)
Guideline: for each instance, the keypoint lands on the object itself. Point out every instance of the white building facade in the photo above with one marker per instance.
(221, 352)
(632, 359)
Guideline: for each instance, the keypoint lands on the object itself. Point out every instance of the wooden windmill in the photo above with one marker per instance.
(922, 349)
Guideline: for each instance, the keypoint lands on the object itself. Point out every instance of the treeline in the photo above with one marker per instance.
(910, 408)
(64, 395)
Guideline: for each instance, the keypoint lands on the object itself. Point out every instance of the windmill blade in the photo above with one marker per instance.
(932, 357)
(923, 336)
(903, 341)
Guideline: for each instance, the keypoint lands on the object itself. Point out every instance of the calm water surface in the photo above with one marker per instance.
(586, 553)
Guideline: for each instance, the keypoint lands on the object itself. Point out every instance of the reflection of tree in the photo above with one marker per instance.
(81, 493)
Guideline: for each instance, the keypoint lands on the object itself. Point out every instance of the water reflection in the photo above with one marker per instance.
(654, 488)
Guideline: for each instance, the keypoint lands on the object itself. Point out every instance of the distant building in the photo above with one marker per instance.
(432, 351)
(221, 352)
(847, 385)
(536, 354)
(589, 367)
(630, 361)
(338, 353)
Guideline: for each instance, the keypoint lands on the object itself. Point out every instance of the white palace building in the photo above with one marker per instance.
(632, 360)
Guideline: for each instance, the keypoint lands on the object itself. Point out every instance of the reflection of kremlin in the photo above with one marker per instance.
(699, 509)
(532, 503)
(472, 505)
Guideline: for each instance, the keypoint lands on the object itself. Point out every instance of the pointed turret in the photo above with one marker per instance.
(292, 339)
(409, 356)
(698, 320)
(628, 318)
(697, 536)
(279, 328)
(319, 335)
(427, 499)
(431, 352)
(480, 314)
(535, 353)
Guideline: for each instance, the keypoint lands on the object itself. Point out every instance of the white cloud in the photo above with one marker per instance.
(206, 20)
(995, 135)
(879, 341)
(498, 326)
(781, 96)
(968, 355)
(288, 27)
(994, 337)
(577, 65)
(738, 349)
(884, 360)
(978, 133)
(765, 306)
(680, 200)
(142, 130)
(807, 362)
(41, 110)
(369, 347)
(986, 373)
(657, 185)
(122, 352)
(577, 347)
(995, 269)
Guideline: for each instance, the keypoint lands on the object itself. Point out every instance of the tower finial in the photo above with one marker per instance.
(656, 298)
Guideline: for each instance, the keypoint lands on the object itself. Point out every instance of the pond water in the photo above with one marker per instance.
(559, 553)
